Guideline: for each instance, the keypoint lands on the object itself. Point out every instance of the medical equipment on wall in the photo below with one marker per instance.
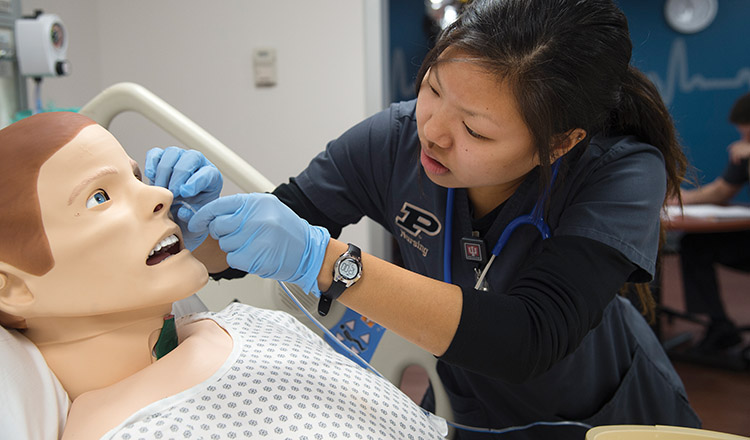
(41, 46)
(12, 84)
(534, 218)
(41, 50)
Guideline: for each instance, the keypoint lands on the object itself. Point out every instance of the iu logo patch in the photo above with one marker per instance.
(473, 249)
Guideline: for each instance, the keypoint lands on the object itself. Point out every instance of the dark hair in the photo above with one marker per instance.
(740, 113)
(568, 65)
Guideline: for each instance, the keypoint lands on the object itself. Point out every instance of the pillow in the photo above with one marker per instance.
(35, 405)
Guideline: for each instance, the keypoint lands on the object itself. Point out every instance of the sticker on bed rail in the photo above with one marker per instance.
(358, 333)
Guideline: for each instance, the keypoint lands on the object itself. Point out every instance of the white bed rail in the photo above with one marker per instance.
(123, 97)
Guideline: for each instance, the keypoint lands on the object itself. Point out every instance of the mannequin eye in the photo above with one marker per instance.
(99, 197)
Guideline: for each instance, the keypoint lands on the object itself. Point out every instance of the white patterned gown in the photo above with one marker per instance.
(281, 381)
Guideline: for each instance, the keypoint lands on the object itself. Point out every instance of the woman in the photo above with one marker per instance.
(523, 107)
(90, 264)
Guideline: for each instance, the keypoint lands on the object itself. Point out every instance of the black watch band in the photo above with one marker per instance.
(346, 271)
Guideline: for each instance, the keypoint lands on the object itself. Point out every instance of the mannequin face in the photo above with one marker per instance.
(102, 223)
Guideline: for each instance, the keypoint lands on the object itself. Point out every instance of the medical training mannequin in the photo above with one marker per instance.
(511, 91)
(90, 264)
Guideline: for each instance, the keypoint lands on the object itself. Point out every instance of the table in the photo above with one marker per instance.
(707, 218)
(704, 219)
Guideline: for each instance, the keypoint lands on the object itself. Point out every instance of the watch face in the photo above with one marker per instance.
(348, 269)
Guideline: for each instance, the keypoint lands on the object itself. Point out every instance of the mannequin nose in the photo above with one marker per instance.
(156, 199)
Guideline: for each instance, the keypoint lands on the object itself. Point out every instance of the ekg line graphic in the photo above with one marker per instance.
(677, 76)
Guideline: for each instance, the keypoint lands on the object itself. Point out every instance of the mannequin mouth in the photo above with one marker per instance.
(164, 249)
(431, 165)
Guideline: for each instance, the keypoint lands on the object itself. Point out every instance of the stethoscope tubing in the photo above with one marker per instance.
(535, 218)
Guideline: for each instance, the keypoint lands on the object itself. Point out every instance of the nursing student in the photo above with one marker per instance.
(523, 187)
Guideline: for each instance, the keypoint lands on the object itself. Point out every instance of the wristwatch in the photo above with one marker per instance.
(346, 271)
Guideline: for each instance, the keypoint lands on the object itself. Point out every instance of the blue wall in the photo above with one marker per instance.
(409, 43)
(699, 75)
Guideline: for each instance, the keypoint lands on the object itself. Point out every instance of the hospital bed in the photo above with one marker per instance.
(392, 355)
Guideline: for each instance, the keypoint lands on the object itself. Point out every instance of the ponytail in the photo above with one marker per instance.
(642, 112)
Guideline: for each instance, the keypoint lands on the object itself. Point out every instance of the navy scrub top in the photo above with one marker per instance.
(610, 191)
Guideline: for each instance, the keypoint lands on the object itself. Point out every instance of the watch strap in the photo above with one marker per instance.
(328, 297)
(337, 286)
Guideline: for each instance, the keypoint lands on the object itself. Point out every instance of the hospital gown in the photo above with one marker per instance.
(280, 381)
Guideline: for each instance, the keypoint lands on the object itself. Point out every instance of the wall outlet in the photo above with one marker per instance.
(264, 66)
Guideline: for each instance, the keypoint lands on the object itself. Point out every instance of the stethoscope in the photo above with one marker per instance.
(535, 218)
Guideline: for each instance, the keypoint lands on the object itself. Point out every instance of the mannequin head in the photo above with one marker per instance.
(79, 226)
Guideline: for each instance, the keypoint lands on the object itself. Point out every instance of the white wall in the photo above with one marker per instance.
(197, 56)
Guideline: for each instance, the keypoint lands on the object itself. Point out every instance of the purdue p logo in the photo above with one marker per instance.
(416, 220)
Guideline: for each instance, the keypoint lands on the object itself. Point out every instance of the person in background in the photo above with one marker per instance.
(700, 252)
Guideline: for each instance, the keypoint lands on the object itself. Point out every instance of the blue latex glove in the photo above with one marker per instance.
(192, 179)
(263, 236)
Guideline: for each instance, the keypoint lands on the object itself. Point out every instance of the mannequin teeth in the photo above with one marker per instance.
(168, 241)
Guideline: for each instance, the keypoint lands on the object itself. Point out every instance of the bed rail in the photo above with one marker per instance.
(123, 97)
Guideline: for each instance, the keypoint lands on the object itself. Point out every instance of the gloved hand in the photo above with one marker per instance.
(264, 237)
(191, 177)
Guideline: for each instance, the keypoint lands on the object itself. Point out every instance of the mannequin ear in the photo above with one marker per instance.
(15, 296)
(566, 141)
